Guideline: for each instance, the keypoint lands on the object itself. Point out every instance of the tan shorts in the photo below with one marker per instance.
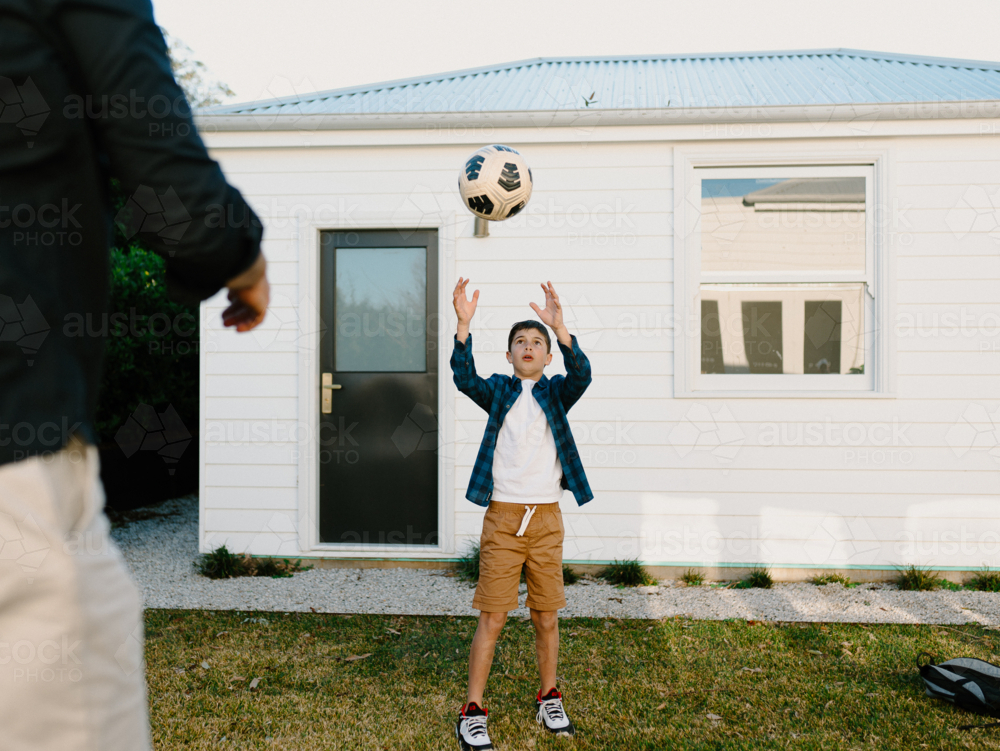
(502, 552)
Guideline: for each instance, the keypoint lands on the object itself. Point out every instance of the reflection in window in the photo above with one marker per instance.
(711, 338)
(773, 224)
(381, 310)
(783, 261)
(782, 328)
(762, 336)
(821, 347)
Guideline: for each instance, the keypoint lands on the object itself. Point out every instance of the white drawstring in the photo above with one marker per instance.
(524, 522)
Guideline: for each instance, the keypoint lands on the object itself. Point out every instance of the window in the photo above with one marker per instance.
(776, 279)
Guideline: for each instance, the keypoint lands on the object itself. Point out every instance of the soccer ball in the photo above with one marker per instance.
(495, 182)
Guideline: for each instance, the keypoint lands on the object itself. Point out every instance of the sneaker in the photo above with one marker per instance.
(471, 728)
(552, 715)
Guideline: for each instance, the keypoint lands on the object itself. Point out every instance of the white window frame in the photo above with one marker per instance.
(690, 166)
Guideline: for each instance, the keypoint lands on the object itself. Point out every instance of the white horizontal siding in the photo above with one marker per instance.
(599, 226)
(403, 159)
(746, 504)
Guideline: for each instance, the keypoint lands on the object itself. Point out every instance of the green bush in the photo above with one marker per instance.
(569, 575)
(158, 367)
(627, 574)
(222, 564)
(693, 578)
(758, 578)
(468, 564)
(985, 581)
(821, 579)
(918, 579)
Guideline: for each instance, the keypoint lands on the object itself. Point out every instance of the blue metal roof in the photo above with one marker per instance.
(650, 82)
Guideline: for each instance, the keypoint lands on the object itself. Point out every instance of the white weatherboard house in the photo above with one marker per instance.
(784, 267)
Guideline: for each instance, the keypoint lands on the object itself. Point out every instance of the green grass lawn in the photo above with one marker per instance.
(304, 681)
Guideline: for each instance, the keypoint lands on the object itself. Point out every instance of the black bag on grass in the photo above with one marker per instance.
(966, 682)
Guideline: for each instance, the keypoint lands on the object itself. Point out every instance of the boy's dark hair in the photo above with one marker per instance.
(521, 325)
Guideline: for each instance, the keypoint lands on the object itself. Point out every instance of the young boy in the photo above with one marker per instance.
(526, 458)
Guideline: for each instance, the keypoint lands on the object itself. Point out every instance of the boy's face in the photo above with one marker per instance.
(528, 355)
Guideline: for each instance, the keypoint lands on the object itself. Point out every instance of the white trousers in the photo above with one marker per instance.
(71, 660)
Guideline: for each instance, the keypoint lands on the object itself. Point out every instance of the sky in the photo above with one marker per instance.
(267, 48)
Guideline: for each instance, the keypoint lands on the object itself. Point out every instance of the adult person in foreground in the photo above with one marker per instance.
(87, 93)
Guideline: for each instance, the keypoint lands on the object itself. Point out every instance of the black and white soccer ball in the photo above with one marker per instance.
(495, 182)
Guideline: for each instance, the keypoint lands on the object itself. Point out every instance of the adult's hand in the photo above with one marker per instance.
(249, 295)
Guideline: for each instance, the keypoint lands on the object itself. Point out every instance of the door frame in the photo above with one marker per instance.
(307, 239)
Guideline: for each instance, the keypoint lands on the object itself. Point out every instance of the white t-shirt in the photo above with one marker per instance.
(526, 467)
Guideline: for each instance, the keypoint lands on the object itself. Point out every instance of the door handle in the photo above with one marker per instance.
(327, 388)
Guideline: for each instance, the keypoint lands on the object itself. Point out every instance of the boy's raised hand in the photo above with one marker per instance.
(552, 316)
(464, 307)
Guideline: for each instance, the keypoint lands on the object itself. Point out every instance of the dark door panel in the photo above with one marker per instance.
(378, 443)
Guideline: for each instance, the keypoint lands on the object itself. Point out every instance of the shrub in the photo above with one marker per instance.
(569, 575)
(693, 578)
(918, 579)
(222, 564)
(985, 581)
(821, 579)
(158, 368)
(468, 564)
(758, 578)
(627, 574)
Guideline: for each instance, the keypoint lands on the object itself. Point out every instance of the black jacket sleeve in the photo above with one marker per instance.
(179, 200)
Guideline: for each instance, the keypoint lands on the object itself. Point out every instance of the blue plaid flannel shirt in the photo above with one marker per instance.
(497, 394)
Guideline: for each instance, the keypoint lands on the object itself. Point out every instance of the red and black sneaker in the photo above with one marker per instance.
(552, 715)
(471, 728)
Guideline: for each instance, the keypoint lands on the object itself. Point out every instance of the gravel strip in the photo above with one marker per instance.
(161, 548)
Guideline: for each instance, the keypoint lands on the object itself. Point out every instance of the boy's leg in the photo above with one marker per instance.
(546, 596)
(546, 646)
(481, 655)
(501, 555)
